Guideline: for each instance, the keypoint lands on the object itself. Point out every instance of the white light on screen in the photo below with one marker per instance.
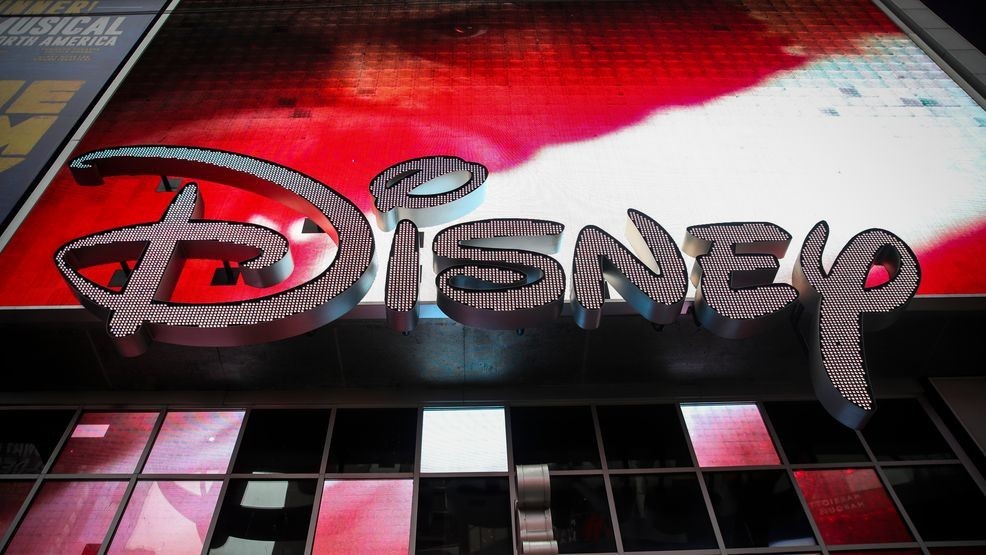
(90, 430)
(464, 440)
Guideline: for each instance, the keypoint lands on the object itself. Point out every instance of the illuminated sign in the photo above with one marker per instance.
(494, 273)
(141, 311)
(57, 59)
(692, 113)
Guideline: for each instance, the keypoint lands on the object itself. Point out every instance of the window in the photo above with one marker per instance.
(729, 435)
(282, 440)
(373, 440)
(464, 440)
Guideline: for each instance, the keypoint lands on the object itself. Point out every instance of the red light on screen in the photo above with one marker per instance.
(106, 443)
(364, 516)
(194, 443)
(851, 506)
(729, 435)
(166, 517)
(68, 517)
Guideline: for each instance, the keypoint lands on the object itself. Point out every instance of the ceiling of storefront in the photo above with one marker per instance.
(443, 360)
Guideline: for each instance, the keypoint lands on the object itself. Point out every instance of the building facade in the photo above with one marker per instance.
(318, 277)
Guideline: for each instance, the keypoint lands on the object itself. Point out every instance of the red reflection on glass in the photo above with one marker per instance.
(364, 516)
(166, 517)
(106, 443)
(851, 506)
(68, 517)
(729, 435)
(195, 443)
(12, 494)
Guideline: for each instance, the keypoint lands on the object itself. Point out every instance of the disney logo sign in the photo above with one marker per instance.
(494, 273)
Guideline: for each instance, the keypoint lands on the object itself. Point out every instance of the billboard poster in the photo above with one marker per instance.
(690, 112)
(55, 59)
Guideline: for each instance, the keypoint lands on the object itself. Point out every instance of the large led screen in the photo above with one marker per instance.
(783, 111)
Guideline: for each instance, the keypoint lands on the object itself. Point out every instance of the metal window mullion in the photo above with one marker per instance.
(770, 550)
(132, 482)
(614, 521)
(873, 546)
(416, 479)
(893, 495)
(449, 475)
(794, 482)
(963, 458)
(320, 484)
(832, 466)
(369, 476)
(207, 540)
(956, 543)
(652, 471)
(511, 483)
(921, 462)
(275, 476)
(26, 504)
(679, 552)
(586, 472)
(701, 481)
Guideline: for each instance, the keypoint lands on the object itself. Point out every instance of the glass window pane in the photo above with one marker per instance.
(758, 509)
(464, 440)
(580, 514)
(564, 438)
(264, 516)
(729, 435)
(809, 434)
(643, 436)
(105, 443)
(373, 440)
(942, 501)
(364, 516)
(82, 510)
(662, 512)
(958, 551)
(163, 518)
(463, 516)
(12, 496)
(851, 506)
(28, 437)
(279, 440)
(195, 443)
(901, 430)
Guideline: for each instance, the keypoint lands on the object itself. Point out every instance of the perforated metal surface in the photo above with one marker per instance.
(137, 313)
(499, 287)
(836, 301)
(655, 288)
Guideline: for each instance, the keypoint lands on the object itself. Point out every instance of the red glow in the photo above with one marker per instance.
(364, 516)
(12, 495)
(106, 443)
(851, 506)
(68, 517)
(194, 443)
(340, 95)
(729, 435)
(166, 517)
(951, 265)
